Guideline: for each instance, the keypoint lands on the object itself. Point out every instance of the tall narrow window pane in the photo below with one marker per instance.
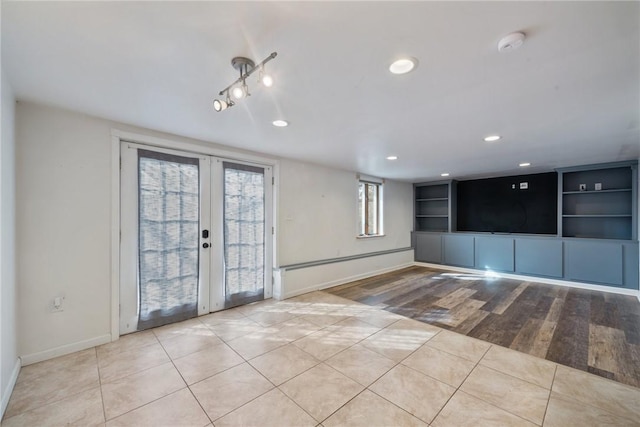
(244, 219)
(168, 195)
(369, 208)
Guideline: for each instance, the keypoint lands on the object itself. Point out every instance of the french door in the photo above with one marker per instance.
(195, 235)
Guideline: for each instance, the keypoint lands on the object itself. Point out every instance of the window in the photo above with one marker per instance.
(369, 208)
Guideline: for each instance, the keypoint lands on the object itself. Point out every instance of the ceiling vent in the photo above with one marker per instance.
(510, 42)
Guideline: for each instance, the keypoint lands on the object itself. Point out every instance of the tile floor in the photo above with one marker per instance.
(317, 359)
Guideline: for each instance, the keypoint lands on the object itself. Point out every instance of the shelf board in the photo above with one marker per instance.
(434, 199)
(599, 216)
(432, 216)
(617, 190)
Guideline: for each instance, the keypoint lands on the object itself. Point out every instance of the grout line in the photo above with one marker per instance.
(544, 417)
(104, 409)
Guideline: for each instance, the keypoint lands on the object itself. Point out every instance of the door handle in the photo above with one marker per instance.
(205, 234)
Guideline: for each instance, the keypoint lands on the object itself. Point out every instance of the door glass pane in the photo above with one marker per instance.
(244, 219)
(168, 218)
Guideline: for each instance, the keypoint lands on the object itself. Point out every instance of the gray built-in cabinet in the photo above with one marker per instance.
(597, 239)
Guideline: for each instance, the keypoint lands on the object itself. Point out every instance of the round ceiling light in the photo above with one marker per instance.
(280, 123)
(403, 65)
(492, 138)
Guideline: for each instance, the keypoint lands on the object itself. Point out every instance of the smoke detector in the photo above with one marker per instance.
(510, 42)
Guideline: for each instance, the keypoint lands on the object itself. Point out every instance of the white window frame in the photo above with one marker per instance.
(362, 217)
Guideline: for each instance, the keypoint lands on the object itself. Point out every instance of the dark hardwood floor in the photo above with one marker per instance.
(593, 331)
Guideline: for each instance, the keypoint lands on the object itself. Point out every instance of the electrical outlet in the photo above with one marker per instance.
(56, 304)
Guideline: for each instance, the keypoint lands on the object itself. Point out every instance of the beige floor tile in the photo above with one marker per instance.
(460, 345)
(401, 339)
(294, 329)
(257, 343)
(321, 390)
(378, 318)
(284, 363)
(563, 412)
(442, 366)
(464, 410)
(512, 394)
(208, 362)
(187, 327)
(59, 364)
(131, 392)
(229, 390)
(256, 307)
(324, 343)
(271, 317)
(520, 365)
(619, 399)
(47, 382)
(325, 319)
(235, 328)
(221, 317)
(271, 409)
(355, 328)
(84, 409)
(369, 409)
(127, 342)
(177, 409)
(418, 394)
(190, 343)
(361, 364)
(115, 365)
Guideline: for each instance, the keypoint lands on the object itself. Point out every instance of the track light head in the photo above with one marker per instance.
(240, 92)
(219, 104)
(266, 79)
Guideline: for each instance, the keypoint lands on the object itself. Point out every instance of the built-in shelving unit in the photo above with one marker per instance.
(598, 201)
(596, 241)
(433, 206)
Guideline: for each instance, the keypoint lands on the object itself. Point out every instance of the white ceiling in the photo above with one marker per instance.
(569, 96)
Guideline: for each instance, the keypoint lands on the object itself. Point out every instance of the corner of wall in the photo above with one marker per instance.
(9, 361)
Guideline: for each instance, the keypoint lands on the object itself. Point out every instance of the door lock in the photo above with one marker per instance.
(205, 245)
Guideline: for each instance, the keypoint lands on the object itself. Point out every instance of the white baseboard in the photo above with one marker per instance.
(344, 280)
(29, 359)
(537, 279)
(6, 393)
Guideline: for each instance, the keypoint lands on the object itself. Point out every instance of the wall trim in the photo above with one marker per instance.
(342, 259)
(536, 279)
(65, 349)
(337, 282)
(6, 393)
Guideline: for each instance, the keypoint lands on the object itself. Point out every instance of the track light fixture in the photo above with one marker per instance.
(239, 88)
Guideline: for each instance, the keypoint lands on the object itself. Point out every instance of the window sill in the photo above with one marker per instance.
(370, 236)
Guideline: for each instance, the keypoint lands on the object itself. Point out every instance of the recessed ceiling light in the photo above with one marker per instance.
(403, 65)
(492, 138)
(444, 174)
(392, 158)
(280, 123)
(524, 165)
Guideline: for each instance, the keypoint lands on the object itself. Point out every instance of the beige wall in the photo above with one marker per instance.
(63, 228)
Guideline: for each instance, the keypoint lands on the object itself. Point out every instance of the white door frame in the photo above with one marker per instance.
(117, 137)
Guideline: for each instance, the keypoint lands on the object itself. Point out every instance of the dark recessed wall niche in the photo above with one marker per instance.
(500, 205)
